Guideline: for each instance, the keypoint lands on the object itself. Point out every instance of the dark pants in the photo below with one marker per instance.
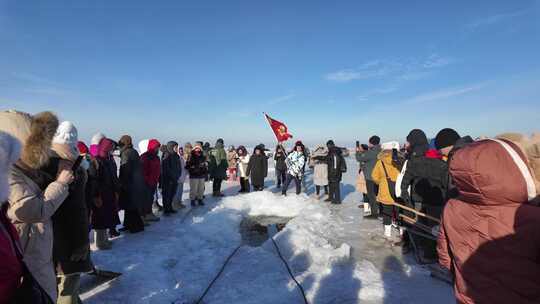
(133, 221)
(387, 214)
(169, 191)
(244, 184)
(216, 185)
(334, 193)
(318, 189)
(149, 199)
(281, 176)
(372, 191)
(297, 182)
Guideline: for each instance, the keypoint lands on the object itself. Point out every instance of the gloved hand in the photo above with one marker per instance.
(80, 254)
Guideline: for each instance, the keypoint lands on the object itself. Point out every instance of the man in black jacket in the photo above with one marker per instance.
(171, 169)
(336, 168)
(367, 160)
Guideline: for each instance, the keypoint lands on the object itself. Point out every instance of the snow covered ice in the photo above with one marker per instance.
(331, 251)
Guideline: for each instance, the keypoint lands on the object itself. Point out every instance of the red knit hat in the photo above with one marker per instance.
(83, 149)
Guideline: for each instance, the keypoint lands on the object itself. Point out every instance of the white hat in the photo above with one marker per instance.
(143, 146)
(390, 145)
(97, 138)
(10, 151)
(66, 134)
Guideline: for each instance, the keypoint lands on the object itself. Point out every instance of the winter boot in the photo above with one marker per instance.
(180, 205)
(193, 203)
(101, 239)
(201, 203)
(388, 232)
(367, 210)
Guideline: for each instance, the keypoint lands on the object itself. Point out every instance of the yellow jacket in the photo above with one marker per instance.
(379, 176)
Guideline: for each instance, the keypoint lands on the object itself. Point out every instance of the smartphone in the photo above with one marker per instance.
(358, 144)
(77, 163)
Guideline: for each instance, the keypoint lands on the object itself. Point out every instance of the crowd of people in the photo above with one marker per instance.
(479, 200)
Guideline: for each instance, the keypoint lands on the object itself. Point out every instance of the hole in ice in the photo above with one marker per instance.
(255, 230)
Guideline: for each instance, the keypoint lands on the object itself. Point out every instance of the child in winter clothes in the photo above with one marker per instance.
(243, 161)
(385, 175)
(281, 166)
(232, 160)
(258, 168)
(320, 170)
(295, 168)
(198, 170)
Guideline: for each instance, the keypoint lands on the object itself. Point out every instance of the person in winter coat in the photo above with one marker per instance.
(385, 175)
(132, 188)
(34, 194)
(218, 167)
(171, 170)
(11, 261)
(426, 174)
(178, 197)
(232, 160)
(197, 167)
(151, 173)
(104, 192)
(243, 162)
(367, 160)
(206, 152)
(336, 168)
(319, 164)
(489, 237)
(295, 168)
(71, 245)
(281, 166)
(257, 168)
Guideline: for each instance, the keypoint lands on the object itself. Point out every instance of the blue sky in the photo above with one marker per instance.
(208, 69)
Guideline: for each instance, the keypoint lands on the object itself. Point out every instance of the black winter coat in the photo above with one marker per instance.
(428, 178)
(171, 168)
(197, 166)
(257, 169)
(70, 226)
(280, 161)
(131, 180)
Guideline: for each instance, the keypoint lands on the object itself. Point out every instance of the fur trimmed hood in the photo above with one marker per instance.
(10, 151)
(34, 133)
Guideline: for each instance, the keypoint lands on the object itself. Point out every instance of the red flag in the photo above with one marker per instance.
(279, 128)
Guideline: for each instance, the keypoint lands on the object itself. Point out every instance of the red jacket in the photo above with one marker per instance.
(11, 268)
(490, 235)
(151, 164)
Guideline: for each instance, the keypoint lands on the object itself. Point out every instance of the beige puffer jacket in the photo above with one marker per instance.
(30, 208)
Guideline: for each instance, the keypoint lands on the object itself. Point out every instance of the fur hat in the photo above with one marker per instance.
(34, 133)
(10, 151)
(445, 138)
